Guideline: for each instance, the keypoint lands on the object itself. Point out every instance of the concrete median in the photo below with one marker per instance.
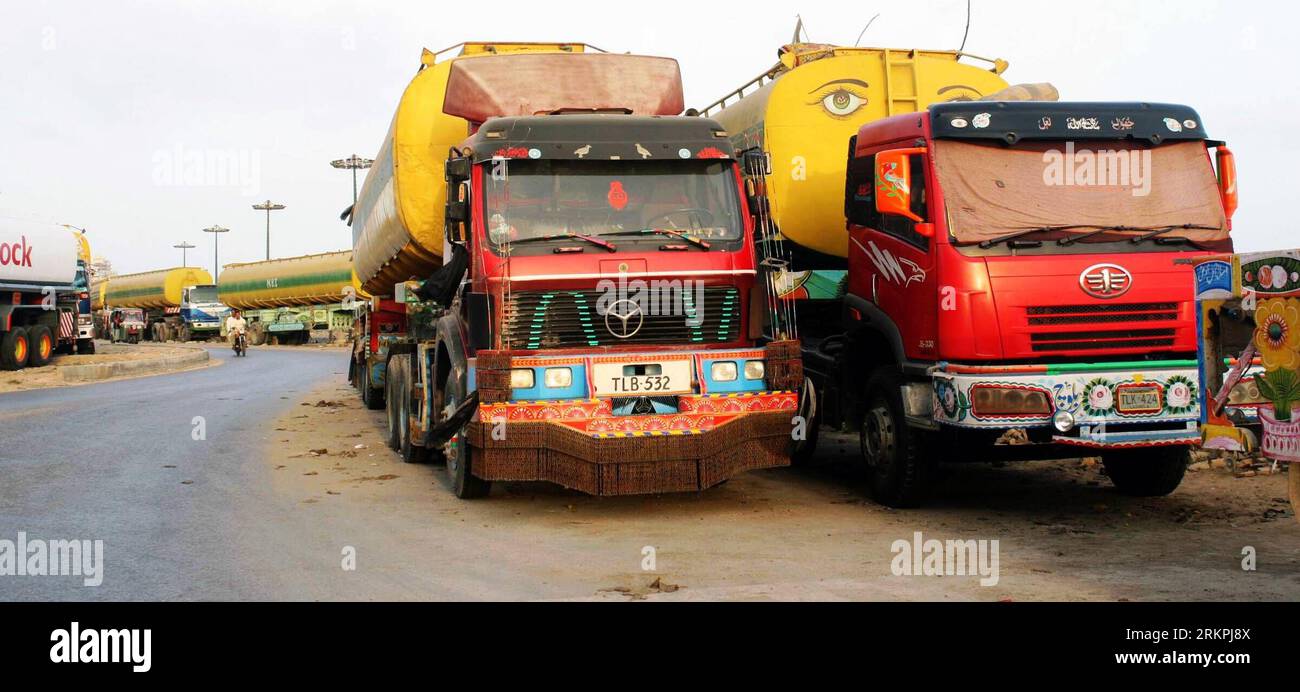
(102, 371)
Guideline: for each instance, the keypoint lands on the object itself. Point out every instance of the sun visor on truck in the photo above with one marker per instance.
(532, 84)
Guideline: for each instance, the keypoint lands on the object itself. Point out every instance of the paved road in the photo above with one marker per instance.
(248, 514)
(118, 462)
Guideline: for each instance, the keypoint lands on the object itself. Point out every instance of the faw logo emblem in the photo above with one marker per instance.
(1105, 281)
(17, 254)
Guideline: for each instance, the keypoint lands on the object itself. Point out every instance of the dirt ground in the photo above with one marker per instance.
(787, 534)
(49, 376)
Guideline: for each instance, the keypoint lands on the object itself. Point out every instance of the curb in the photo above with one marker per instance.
(104, 371)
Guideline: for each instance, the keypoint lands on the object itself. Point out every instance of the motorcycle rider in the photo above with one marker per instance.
(235, 325)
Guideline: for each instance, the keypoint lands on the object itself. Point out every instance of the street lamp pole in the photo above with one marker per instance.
(216, 232)
(353, 163)
(183, 247)
(268, 206)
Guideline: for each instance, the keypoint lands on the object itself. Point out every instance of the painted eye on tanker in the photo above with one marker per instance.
(842, 103)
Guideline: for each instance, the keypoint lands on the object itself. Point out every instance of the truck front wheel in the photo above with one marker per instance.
(803, 450)
(14, 349)
(460, 457)
(897, 457)
(1153, 472)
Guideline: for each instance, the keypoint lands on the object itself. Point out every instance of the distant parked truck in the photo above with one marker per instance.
(42, 287)
(285, 300)
(179, 304)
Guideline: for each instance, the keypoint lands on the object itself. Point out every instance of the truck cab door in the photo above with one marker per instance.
(891, 246)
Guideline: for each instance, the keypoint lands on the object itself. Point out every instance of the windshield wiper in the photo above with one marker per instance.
(1097, 230)
(1026, 232)
(563, 236)
(1157, 232)
(702, 244)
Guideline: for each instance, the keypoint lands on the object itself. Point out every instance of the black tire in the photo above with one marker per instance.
(41, 343)
(898, 461)
(372, 396)
(803, 451)
(86, 347)
(14, 349)
(1153, 472)
(184, 335)
(411, 453)
(394, 440)
(460, 459)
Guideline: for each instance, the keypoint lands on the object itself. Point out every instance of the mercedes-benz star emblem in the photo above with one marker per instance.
(624, 319)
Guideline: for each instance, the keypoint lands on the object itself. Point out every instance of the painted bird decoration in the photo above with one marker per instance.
(645, 153)
(581, 152)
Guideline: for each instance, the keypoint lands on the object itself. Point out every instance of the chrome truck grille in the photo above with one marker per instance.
(1133, 325)
(537, 320)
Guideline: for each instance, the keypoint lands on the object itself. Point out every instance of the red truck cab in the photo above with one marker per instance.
(1013, 272)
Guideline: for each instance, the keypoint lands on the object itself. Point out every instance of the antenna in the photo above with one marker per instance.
(800, 29)
(967, 34)
(864, 29)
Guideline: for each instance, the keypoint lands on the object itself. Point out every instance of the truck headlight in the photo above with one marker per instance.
(558, 378)
(755, 370)
(1063, 421)
(522, 378)
(724, 371)
(992, 400)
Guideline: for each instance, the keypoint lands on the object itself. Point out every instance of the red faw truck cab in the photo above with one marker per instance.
(1013, 291)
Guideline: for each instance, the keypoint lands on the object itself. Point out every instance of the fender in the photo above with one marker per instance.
(451, 336)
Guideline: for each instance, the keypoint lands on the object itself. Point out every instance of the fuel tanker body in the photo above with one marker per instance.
(42, 289)
(803, 112)
(179, 303)
(397, 226)
(285, 299)
(562, 186)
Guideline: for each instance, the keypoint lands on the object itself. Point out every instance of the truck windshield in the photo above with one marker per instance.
(1089, 192)
(540, 202)
(203, 294)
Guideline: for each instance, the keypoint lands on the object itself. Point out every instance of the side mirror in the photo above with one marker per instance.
(457, 212)
(925, 230)
(756, 162)
(457, 169)
(893, 183)
(1227, 162)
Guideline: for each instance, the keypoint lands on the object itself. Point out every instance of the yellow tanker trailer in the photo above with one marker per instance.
(803, 112)
(285, 299)
(397, 226)
(179, 303)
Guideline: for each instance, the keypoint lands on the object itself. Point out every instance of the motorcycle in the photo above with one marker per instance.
(241, 344)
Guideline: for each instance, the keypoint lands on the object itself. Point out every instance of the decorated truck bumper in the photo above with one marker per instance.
(1100, 406)
(626, 424)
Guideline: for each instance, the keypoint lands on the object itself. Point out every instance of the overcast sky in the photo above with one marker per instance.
(106, 105)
